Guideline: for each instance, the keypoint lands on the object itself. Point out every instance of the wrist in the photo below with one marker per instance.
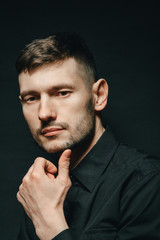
(48, 229)
(48, 234)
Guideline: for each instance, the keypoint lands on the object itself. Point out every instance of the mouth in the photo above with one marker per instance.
(51, 131)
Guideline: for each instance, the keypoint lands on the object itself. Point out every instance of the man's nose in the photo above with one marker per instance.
(46, 110)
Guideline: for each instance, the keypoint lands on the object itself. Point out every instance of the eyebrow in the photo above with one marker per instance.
(49, 90)
(60, 86)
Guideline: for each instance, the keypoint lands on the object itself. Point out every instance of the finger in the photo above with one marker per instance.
(63, 164)
(29, 171)
(50, 167)
(51, 176)
(23, 202)
(42, 165)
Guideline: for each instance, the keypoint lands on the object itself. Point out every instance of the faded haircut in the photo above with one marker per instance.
(56, 48)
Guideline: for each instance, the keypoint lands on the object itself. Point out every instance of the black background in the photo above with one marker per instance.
(124, 37)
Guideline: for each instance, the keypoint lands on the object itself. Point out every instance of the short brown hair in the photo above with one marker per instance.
(55, 48)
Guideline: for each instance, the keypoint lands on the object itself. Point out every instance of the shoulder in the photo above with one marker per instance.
(135, 159)
(134, 166)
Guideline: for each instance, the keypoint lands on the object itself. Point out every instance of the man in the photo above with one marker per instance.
(101, 189)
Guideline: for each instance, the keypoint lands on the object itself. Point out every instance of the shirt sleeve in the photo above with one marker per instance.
(27, 231)
(64, 235)
(140, 210)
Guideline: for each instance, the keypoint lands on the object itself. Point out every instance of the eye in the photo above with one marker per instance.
(62, 93)
(29, 99)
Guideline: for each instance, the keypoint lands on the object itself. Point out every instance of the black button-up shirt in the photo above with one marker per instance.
(115, 194)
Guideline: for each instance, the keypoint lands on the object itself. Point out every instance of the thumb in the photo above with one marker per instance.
(63, 164)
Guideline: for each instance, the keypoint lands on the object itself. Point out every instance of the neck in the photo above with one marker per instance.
(81, 150)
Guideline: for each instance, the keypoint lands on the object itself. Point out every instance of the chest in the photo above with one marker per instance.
(93, 215)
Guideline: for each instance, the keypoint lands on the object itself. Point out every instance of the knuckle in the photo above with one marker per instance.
(34, 176)
(64, 165)
(67, 182)
(18, 196)
(38, 159)
(24, 181)
(21, 191)
(20, 188)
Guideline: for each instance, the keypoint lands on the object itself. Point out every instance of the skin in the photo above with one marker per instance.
(63, 117)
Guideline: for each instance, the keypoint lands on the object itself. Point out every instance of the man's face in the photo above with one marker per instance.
(57, 105)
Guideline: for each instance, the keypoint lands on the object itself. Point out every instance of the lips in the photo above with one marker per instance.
(51, 131)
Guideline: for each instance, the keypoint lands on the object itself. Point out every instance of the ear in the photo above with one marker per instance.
(20, 98)
(100, 94)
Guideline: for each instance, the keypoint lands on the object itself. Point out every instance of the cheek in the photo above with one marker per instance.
(77, 113)
(76, 103)
(82, 104)
(31, 118)
(71, 112)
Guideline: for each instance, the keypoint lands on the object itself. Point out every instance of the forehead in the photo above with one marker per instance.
(63, 72)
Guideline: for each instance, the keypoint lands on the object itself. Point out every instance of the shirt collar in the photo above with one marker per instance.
(91, 167)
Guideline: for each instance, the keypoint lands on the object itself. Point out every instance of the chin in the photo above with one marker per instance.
(53, 149)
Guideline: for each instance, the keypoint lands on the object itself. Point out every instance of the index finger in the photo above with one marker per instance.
(42, 165)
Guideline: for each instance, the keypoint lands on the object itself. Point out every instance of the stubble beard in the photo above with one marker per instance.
(84, 132)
